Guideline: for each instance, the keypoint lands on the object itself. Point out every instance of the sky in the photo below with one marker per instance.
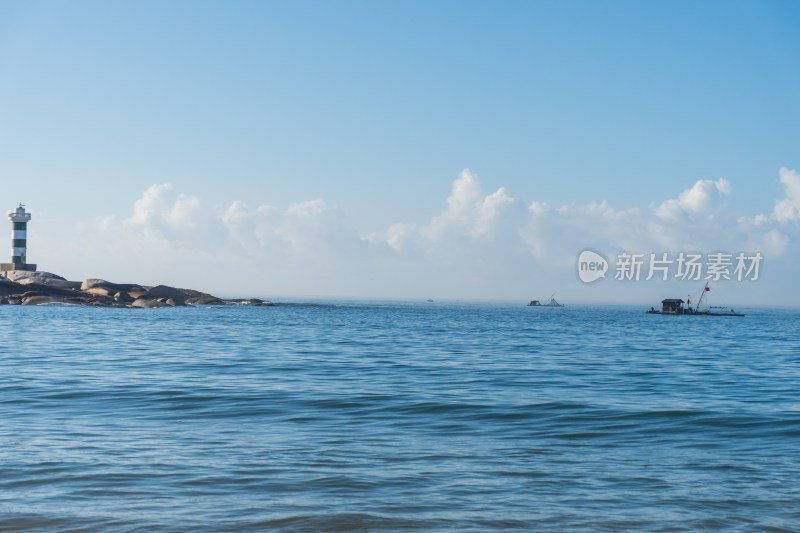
(453, 150)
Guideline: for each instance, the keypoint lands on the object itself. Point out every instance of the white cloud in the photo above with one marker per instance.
(704, 198)
(479, 246)
(760, 229)
(470, 219)
(161, 213)
(789, 208)
(469, 213)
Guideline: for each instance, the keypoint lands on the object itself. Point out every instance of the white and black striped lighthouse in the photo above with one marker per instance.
(19, 241)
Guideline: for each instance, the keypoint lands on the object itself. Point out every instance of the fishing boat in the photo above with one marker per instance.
(550, 302)
(674, 306)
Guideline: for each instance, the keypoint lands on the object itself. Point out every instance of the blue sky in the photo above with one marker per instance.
(377, 107)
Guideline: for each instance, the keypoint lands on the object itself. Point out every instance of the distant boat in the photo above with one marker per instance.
(674, 306)
(550, 302)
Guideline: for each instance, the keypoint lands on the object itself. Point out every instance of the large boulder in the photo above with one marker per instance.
(51, 282)
(115, 287)
(163, 291)
(102, 291)
(136, 292)
(39, 277)
(124, 297)
(19, 275)
(42, 300)
(8, 288)
(32, 293)
(92, 282)
(148, 304)
(205, 299)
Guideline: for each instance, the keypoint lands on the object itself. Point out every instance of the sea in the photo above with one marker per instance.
(398, 416)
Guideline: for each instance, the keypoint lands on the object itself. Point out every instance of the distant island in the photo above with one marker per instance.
(22, 287)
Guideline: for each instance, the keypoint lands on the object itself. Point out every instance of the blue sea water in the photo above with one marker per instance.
(364, 416)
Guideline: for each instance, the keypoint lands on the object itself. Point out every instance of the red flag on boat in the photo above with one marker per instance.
(708, 289)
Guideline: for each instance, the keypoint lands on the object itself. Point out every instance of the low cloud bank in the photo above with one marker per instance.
(480, 246)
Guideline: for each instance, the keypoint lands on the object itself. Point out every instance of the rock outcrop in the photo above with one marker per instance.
(17, 275)
(25, 277)
(45, 288)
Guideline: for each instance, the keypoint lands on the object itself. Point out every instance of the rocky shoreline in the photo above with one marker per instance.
(21, 287)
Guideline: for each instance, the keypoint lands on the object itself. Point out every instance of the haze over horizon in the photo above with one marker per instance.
(448, 150)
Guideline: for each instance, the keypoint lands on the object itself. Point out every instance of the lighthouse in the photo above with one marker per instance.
(19, 241)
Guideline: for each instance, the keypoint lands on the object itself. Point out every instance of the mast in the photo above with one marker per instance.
(705, 290)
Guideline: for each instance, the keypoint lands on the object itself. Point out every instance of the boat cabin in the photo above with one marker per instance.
(672, 306)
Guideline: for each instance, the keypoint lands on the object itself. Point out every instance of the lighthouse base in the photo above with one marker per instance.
(6, 267)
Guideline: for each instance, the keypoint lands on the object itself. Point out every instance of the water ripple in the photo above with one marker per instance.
(386, 416)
